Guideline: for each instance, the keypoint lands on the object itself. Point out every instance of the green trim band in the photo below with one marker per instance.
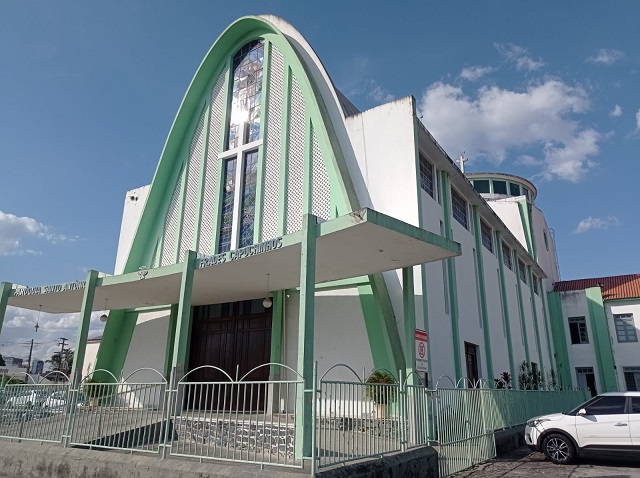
(505, 306)
(559, 336)
(601, 339)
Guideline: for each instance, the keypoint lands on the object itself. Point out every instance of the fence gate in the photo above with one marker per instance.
(465, 431)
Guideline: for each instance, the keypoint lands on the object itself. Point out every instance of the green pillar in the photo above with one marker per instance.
(5, 292)
(83, 328)
(535, 320)
(409, 309)
(561, 352)
(505, 309)
(171, 334)
(305, 396)
(483, 295)
(523, 322)
(183, 317)
(601, 340)
(451, 275)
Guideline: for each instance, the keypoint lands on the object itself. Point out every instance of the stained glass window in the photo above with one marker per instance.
(247, 213)
(244, 117)
(226, 218)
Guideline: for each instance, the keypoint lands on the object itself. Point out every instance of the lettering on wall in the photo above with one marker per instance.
(236, 254)
(49, 289)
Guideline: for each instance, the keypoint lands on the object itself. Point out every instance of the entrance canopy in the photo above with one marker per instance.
(361, 243)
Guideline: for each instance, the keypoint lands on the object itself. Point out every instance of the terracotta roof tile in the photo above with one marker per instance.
(615, 287)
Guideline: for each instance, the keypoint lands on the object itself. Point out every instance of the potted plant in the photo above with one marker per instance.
(380, 391)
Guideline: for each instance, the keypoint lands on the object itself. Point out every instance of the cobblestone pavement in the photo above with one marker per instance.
(525, 463)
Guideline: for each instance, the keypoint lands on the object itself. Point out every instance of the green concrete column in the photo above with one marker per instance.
(305, 396)
(171, 334)
(523, 322)
(483, 295)
(5, 292)
(183, 318)
(409, 310)
(83, 327)
(505, 308)
(535, 320)
(451, 275)
(601, 340)
(561, 352)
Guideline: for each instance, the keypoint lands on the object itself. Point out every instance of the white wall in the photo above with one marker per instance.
(508, 210)
(546, 256)
(148, 346)
(134, 202)
(626, 354)
(574, 304)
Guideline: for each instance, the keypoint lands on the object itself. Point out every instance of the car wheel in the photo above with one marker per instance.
(559, 449)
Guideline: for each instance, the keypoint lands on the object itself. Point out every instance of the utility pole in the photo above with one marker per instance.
(29, 359)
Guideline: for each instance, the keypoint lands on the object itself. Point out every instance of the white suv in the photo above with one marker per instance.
(609, 422)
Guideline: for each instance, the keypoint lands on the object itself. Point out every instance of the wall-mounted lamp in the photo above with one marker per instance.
(267, 302)
(104, 317)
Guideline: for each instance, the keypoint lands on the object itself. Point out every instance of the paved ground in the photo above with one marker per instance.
(524, 463)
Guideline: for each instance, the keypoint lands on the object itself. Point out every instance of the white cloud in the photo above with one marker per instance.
(497, 121)
(638, 120)
(616, 111)
(474, 73)
(606, 56)
(596, 223)
(359, 82)
(14, 229)
(519, 56)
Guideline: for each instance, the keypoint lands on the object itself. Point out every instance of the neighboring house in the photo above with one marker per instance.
(596, 323)
(220, 263)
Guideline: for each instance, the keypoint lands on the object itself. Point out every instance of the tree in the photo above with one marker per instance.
(2, 362)
(62, 362)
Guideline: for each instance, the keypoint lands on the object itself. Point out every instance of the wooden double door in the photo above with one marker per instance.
(235, 337)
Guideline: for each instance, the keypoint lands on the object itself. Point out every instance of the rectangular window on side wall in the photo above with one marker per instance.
(500, 187)
(625, 328)
(459, 208)
(522, 271)
(514, 189)
(481, 186)
(535, 285)
(506, 256)
(487, 235)
(426, 175)
(578, 330)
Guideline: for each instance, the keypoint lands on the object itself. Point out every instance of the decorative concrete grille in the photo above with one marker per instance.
(190, 214)
(171, 224)
(295, 180)
(320, 186)
(211, 173)
(270, 208)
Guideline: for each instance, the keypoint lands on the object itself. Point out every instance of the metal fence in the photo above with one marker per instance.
(245, 419)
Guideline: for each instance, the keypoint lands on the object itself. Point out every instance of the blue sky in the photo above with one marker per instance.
(88, 91)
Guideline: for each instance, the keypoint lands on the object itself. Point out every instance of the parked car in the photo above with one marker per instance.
(58, 400)
(607, 423)
(27, 399)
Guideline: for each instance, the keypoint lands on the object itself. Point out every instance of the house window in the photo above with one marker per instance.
(244, 117)
(625, 328)
(526, 193)
(481, 186)
(514, 189)
(632, 378)
(578, 330)
(500, 187)
(522, 271)
(459, 208)
(426, 175)
(487, 235)
(240, 162)
(535, 285)
(506, 256)
(586, 379)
